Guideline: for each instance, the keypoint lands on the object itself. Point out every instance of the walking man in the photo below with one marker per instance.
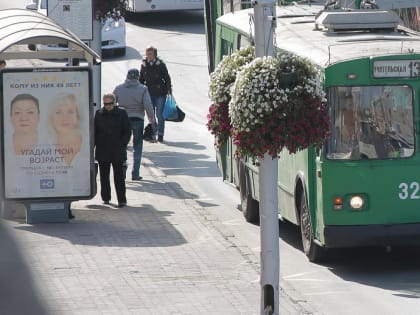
(154, 74)
(112, 133)
(135, 99)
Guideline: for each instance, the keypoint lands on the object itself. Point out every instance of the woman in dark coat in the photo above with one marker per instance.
(112, 134)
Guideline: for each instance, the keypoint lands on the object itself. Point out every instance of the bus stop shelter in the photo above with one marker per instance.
(20, 29)
(26, 27)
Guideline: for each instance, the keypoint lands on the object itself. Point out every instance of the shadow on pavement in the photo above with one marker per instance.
(17, 291)
(169, 189)
(185, 145)
(195, 165)
(100, 225)
(290, 233)
(397, 270)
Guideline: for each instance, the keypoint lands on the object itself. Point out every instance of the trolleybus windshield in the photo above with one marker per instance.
(371, 122)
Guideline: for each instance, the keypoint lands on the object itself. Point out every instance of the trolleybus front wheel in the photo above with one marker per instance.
(311, 250)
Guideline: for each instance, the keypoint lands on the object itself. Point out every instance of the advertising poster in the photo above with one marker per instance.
(46, 134)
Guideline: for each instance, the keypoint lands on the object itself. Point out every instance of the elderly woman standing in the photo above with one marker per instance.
(112, 134)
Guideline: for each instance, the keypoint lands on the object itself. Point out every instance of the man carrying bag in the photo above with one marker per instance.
(135, 99)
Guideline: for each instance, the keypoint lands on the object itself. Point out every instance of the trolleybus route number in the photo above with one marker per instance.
(396, 68)
(409, 191)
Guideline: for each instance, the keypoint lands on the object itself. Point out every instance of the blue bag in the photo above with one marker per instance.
(170, 111)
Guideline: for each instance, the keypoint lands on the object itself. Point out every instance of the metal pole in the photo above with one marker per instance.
(264, 13)
(96, 45)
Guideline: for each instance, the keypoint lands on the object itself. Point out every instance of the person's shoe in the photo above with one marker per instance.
(122, 204)
(160, 138)
(106, 202)
(136, 178)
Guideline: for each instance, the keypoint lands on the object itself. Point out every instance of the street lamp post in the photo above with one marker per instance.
(264, 16)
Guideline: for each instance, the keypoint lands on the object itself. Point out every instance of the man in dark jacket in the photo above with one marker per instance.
(154, 74)
(112, 134)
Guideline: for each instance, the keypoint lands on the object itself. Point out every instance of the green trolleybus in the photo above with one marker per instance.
(363, 187)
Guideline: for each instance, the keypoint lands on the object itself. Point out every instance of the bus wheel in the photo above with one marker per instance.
(311, 250)
(249, 206)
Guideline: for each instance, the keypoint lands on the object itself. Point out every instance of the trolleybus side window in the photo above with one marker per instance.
(227, 47)
(371, 122)
(244, 41)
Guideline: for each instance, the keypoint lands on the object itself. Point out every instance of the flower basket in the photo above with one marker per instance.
(218, 122)
(221, 81)
(288, 79)
(276, 104)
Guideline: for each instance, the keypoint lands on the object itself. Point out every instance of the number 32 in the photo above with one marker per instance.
(410, 191)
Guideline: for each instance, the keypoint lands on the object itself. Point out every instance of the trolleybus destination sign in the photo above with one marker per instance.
(396, 68)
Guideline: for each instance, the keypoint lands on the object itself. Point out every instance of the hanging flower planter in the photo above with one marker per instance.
(218, 122)
(221, 81)
(276, 104)
(288, 79)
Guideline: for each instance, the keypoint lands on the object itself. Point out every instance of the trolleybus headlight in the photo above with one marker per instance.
(356, 202)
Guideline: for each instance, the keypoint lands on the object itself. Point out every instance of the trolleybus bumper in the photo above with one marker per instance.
(372, 235)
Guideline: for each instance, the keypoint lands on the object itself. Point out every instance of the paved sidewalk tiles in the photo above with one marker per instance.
(161, 254)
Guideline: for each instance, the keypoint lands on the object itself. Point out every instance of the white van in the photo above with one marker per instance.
(113, 31)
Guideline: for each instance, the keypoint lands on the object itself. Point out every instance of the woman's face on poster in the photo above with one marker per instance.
(25, 116)
(65, 117)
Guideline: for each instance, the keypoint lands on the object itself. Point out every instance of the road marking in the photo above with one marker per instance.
(296, 275)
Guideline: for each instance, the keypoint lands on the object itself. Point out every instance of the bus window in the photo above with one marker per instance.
(244, 41)
(371, 122)
(227, 47)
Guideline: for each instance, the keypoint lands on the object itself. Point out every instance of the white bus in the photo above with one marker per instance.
(140, 6)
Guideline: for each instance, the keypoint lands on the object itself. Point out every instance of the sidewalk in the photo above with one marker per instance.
(162, 254)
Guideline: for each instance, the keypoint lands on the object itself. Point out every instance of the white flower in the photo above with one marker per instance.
(222, 78)
(260, 88)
